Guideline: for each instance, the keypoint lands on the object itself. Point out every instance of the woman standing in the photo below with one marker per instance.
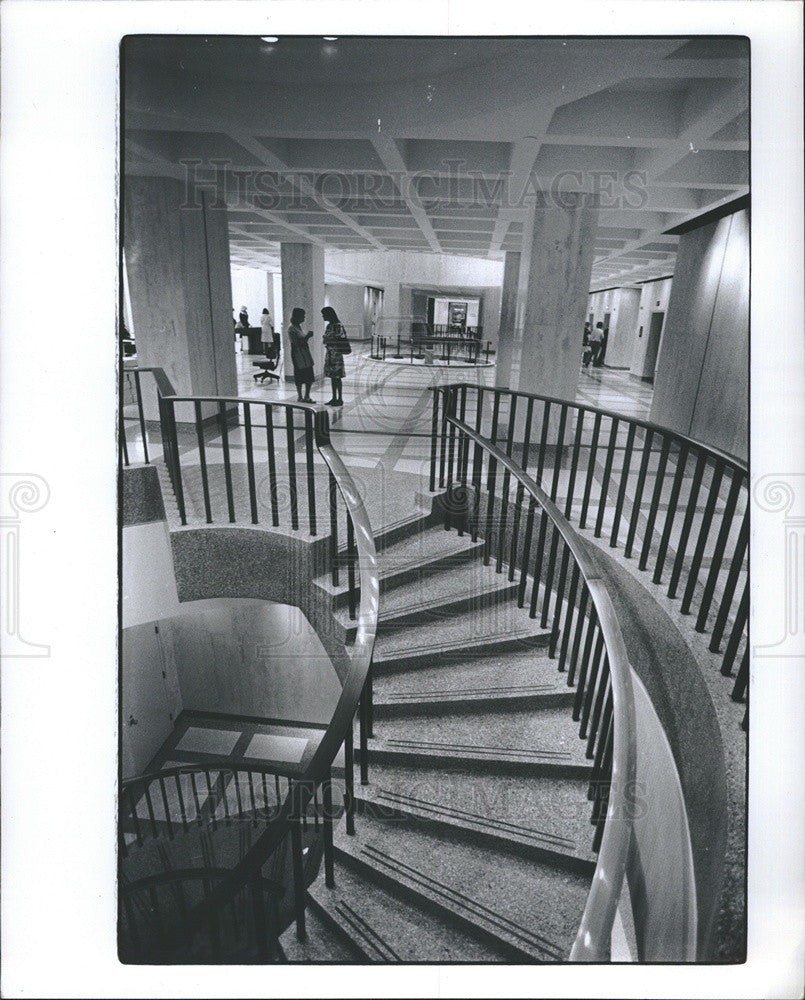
(335, 340)
(301, 358)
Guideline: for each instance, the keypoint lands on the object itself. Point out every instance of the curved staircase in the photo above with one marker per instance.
(473, 840)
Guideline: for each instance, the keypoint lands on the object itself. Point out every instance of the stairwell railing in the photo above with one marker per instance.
(213, 488)
(525, 534)
(676, 505)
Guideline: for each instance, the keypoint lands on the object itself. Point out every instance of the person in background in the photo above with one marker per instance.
(301, 358)
(586, 350)
(243, 318)
(596, 342)
(267, 334)
(335, 338)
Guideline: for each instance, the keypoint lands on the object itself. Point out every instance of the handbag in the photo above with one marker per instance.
(341, 344)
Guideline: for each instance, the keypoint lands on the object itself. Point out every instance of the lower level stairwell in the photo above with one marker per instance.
(473, 840)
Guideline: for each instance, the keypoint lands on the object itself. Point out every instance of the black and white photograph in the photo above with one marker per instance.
(445, 387)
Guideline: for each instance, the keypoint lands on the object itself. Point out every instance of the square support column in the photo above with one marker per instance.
(302, 266)
(178, 269)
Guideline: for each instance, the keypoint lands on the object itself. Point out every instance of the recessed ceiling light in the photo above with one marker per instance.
(269, 38)
(330, 38)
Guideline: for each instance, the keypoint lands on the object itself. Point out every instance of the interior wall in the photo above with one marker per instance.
(654, 297)
(440, 309)
(702, 381)
(347, 300)
(622, 328)
(251, 288)
(251, 657)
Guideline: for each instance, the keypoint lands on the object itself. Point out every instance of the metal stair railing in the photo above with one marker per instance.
(621, 470)
(569, 596)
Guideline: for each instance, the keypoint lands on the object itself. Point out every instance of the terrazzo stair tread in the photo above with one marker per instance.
(527, 673)
(526, 906)
(413, 558)
(529, 668)
(322, 942)
(505, 627)
(437, 596)
(548, 732)
(383, 926)
(488, 695)
(534, 816)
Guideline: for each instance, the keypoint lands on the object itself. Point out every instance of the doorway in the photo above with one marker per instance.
(372, 310)
(653, 345)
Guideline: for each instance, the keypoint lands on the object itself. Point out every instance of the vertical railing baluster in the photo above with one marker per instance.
(166, 807)
(592, 635)
(518, 507)
(593, 680)
(690, 511)
(327, 803)
(247, 426)
(574, 463)
(638, 497)
(581, 621)
(173, 442)
(443, 450)
(560, 444)
(477, 476)
(529, 415)
(613, 440)
(141, 414)
(351, 557)
(741, 617)
(588, 483)
(529, 530)
(719, 550)
(272, 466)
(655, 503)
(603, 687)
(571, 609)
(536, 577)
(311, 475)
(363, 736)
(180, 797)
(701, 540)
(333, 498)
(202, 457)
(349, 779)
(230, 497)
(560, 594)
(627, 461)
(546, 602)
(434, 431)
(291, 448)
(729, 587)
(543, 440)
(673, 504)
(298, 875)
(741, 684)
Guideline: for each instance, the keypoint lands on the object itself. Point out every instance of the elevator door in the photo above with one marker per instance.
(372, 310)
(653, 345)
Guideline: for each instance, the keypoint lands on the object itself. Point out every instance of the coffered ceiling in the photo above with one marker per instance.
(443, 145)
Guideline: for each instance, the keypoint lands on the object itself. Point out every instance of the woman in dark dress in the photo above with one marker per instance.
(301, 358)
(335, 339)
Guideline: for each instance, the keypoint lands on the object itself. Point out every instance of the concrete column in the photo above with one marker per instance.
(508, 318)
(558, 283)
(177, 263)
(302, 266)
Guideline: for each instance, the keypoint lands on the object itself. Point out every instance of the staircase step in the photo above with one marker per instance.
(382, 926)
(491, 894)
(510, 682)
(446, 600)
(543, 740)
(412, 649)
(322, 942)
(506, 816)
(412, 559)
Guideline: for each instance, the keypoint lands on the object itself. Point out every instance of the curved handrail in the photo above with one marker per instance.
(340, 726)
(715, 453)
(704, 553)
(593, 938)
